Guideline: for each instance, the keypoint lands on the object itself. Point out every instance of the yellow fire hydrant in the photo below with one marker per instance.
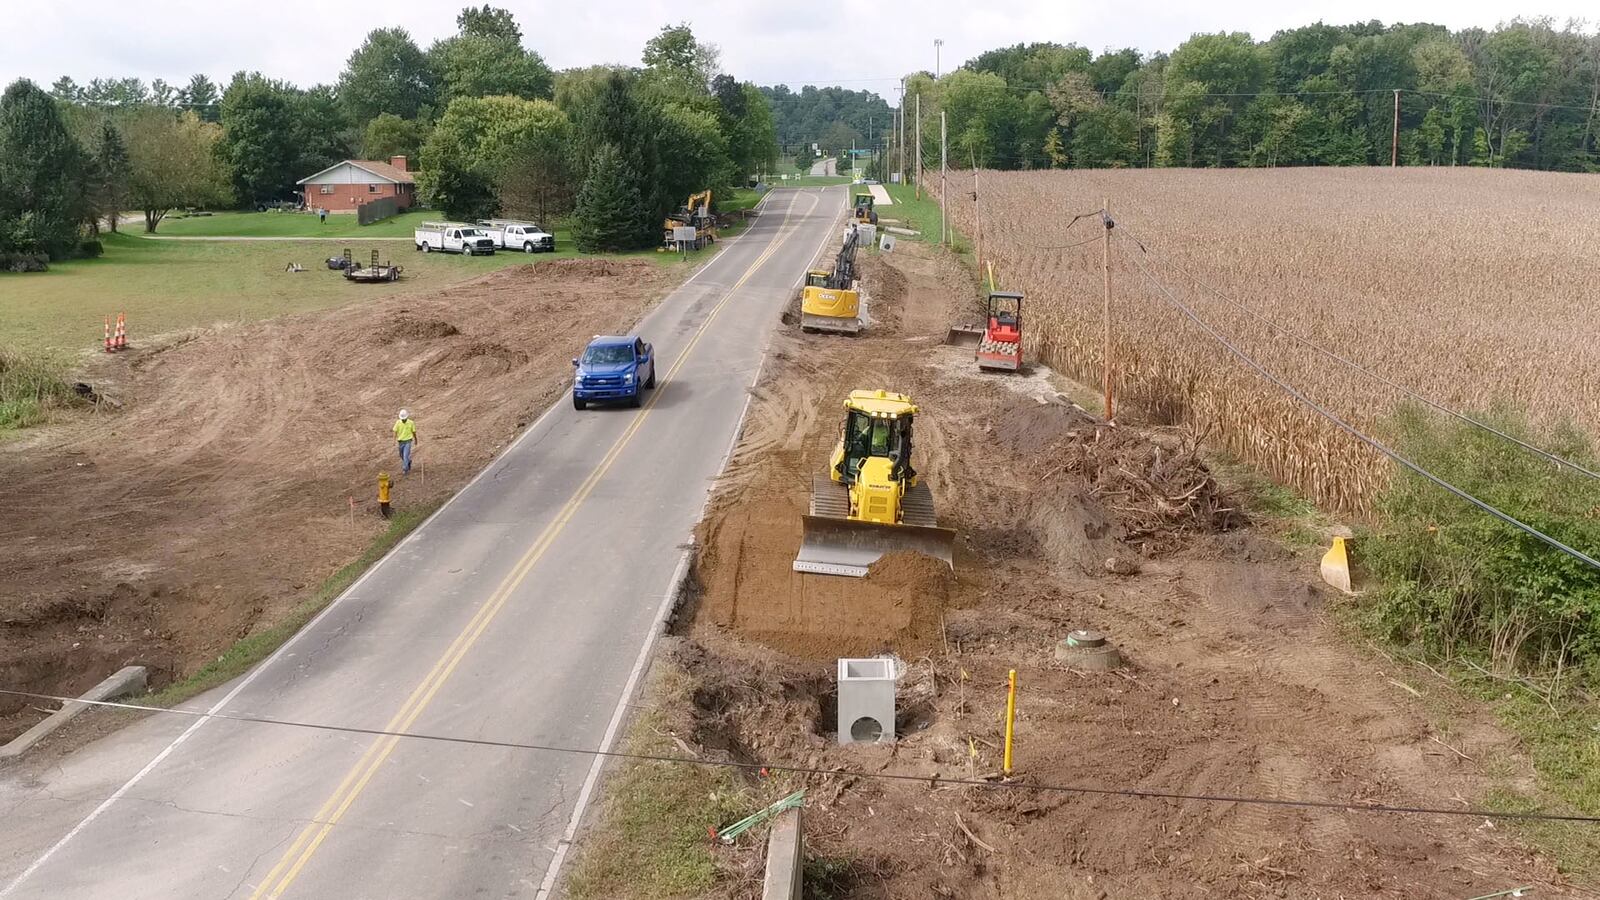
(383, 494)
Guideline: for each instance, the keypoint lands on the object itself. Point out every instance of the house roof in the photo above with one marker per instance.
(379, 170)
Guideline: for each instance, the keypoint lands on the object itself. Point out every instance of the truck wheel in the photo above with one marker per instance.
(467, 251)
(651, 384)
(427, 248)
(578, 403)
(527, 247)
(635, 400)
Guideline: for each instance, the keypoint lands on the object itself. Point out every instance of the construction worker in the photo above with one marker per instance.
(405, 436)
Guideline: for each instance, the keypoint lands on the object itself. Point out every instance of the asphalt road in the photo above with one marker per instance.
(524, 611)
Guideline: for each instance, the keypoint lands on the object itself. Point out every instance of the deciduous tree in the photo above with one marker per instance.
(388, 73)
(172, 163)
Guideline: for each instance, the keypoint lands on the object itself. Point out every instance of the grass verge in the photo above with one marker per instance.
(252, 649)
(650, 841)
(29, 387)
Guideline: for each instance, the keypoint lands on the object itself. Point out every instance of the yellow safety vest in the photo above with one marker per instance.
(405, 430)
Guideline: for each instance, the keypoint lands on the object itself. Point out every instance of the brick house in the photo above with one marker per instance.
(346, 185)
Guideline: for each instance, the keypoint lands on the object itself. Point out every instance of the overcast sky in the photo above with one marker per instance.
(307, 41)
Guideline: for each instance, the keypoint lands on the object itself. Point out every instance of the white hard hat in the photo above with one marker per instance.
(404, 414)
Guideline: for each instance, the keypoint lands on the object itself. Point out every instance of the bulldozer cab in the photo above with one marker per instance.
(868, 436)
(817, 278)
(877, 426)
(863, 201)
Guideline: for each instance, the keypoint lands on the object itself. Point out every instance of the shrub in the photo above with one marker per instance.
(1458, 581)
(24, 262)
(91, 249)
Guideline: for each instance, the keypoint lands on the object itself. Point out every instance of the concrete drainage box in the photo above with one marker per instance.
(866, 700)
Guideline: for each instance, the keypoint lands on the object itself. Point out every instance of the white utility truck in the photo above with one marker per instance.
(453, 237)
(510, 234)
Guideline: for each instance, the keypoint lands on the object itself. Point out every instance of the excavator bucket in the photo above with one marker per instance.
(849, 547)
(1336, 566)
(964, 335)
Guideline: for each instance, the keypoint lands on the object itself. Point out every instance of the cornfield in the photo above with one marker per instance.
(1469, 286)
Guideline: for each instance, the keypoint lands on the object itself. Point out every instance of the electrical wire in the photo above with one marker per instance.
(931, 780)
(1070, 246)
(1351, 430)
(1307, 342)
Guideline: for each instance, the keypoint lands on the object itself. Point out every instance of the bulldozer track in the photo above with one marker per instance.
(832, 499)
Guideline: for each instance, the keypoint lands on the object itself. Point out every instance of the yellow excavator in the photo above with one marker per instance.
(697, 213)
(830, 300)
(872, 502)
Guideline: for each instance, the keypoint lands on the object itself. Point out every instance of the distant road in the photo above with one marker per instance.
(523, 612)
(829, 166)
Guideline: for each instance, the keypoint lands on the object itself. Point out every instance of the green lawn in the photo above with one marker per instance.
(917, 215)
(166, 286)
(289, 224)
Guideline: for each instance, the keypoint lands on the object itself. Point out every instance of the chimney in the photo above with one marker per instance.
(399, 162)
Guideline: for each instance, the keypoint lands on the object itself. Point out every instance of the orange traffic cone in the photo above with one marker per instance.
(109, 348)
(121, 339)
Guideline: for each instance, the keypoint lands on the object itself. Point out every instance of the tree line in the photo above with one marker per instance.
(833, 118)
(495, 130)
(1525, 94)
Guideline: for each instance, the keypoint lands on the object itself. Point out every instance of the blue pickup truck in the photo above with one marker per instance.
(614, 369)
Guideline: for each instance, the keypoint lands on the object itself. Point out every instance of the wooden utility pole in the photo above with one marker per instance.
(944, 173)
(1394, 145)
(900, 145)
(919, 145)
(977, 210)
(1105, 221)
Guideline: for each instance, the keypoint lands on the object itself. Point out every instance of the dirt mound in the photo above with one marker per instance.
(1154, 483)
(584, 268)
(233, 502)
(1032, 429)
(413, 328)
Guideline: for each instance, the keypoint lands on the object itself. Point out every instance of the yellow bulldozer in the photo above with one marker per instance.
(872, 502)
(830, 301)
(695, 213)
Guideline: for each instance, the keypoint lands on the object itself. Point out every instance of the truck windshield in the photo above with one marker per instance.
(469, 232)
(608, 354)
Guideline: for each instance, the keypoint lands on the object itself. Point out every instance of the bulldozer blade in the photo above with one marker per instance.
(964, 335)
(835, 324)
(849, 547)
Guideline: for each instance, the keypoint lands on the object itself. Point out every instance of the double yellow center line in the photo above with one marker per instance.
(311, 837)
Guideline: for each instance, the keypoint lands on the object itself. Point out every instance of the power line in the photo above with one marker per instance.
(1305, 341)
(1351, 430)
(931, 780)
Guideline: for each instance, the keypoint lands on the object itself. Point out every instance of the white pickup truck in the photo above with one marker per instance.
(453, 237)
(509, 234)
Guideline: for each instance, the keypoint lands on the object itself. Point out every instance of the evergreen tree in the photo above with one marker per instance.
(109, 190)
(41, 174)
(610, 214)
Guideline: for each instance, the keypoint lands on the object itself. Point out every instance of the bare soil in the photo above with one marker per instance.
(1237, 682)
(220, 494)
